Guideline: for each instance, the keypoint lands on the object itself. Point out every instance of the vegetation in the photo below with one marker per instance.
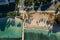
(46, 1)
(28, 2)
(17, 2)
(36, 2)
(11, 14)
(20, 15)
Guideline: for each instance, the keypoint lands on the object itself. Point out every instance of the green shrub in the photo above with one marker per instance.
(11, 14)
(28, 2)
(36, 2)
(17, 2)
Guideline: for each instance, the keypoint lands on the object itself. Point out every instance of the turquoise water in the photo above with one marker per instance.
(40, 35)
(11, 29)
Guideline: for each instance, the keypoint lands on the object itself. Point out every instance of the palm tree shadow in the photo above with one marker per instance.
(4, 9)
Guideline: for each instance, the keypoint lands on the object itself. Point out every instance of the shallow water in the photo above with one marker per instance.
(10, 29)
(40, 35)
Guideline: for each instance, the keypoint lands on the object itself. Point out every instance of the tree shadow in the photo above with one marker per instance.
(3, 22)
(13, 23)
(36, 7)
(19, 24)
(56, 28)
(7, 8)
(4, 9)
(6, 23)
(46, 6)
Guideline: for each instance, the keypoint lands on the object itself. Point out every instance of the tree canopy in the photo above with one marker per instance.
(35, 2)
